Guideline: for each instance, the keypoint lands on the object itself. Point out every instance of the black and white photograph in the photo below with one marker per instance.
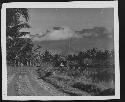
(60, 50)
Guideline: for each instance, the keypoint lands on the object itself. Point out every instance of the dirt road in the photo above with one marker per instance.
(24, 83)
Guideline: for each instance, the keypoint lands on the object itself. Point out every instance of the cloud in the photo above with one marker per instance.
(94, 32)
(61, 33)
(87, 34)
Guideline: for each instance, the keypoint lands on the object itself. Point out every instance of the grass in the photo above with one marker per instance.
(93, 83)
(62, 86)
(88, 88)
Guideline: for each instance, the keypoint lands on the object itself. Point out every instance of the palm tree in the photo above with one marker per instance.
(17, 46)
(13, 22)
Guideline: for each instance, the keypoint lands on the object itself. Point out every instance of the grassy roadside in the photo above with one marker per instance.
(78, 86)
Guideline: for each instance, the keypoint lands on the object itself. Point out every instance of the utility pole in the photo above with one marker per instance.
(67, 46)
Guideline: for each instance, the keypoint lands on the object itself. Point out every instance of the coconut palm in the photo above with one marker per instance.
(16, 46)
(14, 23)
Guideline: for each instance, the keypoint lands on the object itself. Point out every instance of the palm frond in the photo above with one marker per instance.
(13, 15)
(22, 25)
(24, 12)
(14, 31)
(22, 34)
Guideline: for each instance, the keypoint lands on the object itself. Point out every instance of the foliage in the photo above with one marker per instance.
(47, 56)
(92, 78)
(75, 65)
(18, 49)
(13, 22)
(89, 58)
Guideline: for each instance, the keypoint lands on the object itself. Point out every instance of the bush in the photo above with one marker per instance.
(88, 88)
(102, 76)
(107, 92)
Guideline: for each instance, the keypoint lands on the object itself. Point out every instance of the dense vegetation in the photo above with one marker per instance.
(90, 58)
(75, 71)
(75, 65)
(18, 49)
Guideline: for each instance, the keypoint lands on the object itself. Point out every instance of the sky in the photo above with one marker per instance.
(75, 18)
(70, 23)
(69, 20)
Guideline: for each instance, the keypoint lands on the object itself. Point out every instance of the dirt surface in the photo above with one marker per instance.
(22, 83)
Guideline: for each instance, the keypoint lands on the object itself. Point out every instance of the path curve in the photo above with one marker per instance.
(25, 83)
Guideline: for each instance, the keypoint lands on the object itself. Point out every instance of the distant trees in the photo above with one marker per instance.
(89, 58)
(18, 49)
(75, 65)
(97, 57)
(104, 58)
(56, 60)
(47, 57)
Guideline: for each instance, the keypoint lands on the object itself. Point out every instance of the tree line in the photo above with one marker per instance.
(91, 57)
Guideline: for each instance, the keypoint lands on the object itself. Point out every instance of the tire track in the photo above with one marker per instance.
(10, 78)
(46, 86)
(25, 87)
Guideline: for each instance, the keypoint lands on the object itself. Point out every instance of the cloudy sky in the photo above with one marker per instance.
(43, 18)
(70, 20)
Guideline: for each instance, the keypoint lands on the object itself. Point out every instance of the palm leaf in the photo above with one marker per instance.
(24, 12)
(13, 15)
(14, 31)
(17, 47)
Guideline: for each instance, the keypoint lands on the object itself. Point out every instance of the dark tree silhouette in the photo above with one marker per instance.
(17, 48)
(47, 56)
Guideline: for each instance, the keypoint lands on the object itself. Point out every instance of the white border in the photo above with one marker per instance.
(84, 4)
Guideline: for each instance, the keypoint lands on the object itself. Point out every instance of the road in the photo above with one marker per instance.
(23, 82)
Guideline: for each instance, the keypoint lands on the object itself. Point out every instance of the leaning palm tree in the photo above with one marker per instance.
(16, 46)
